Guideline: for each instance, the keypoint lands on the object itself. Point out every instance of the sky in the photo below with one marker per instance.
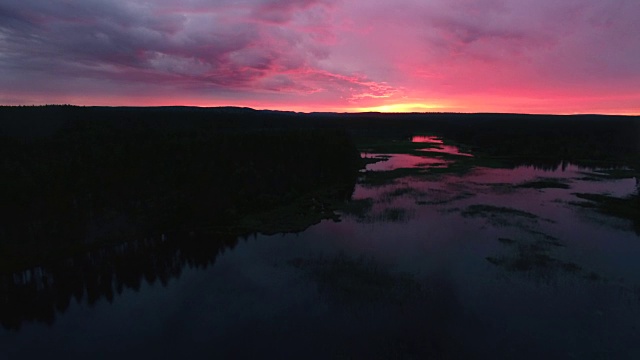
(525, 56)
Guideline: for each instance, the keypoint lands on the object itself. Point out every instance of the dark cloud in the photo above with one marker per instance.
(281, 11)
(460, 32)
(218, 43)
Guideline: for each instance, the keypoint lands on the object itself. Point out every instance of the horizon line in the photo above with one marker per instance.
(319, 112)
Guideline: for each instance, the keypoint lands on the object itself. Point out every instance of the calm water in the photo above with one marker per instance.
(460, 264)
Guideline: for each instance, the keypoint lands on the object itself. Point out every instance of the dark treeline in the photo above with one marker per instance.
(569, 138)
(81, 188)
(102, 176)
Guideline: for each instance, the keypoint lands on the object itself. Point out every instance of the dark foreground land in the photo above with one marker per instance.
(95, 201)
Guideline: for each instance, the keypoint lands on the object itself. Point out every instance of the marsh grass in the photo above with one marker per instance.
(358, 207)
(536, 258)
(618, 173)
(624, 208)
(395, 214)
(502, 216)
(451, 164)
(506, 241)
(394, 146)
(372, 160)
(295, 216)
(380, 178)
(441, 197)
(387, 215)
(628, 207)
(350, 281)
(491, 210)
(401, 192)
(552, 240)
(547, 183)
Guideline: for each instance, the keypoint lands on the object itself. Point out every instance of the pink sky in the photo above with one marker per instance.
(542, 56)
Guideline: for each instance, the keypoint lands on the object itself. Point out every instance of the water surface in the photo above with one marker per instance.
(470, 262)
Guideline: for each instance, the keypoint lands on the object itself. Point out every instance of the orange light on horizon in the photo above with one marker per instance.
(402, 108)
(487, 104)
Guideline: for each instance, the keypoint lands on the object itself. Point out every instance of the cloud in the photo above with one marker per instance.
(215, 45)
(281, 11)
(58, 35)
(340, 52)
(452, 47)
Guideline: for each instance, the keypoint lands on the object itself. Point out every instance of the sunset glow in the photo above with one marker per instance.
(398, 108)
(575, 56)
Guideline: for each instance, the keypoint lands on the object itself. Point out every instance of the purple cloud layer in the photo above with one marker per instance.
(324, 54)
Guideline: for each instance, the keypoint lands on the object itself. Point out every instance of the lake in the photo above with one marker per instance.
(442, 258)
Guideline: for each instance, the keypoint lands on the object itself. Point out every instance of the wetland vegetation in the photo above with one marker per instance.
(373, 235)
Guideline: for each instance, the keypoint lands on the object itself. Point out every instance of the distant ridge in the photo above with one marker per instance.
(241, 109)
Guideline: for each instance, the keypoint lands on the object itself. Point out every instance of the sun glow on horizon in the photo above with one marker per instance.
(403, 108)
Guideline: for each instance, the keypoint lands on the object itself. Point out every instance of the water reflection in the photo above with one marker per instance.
(37, 294)
(446, 149)
(438, 145)
(426, 139)
(420, 266)
(398, 161)
(529, 266)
